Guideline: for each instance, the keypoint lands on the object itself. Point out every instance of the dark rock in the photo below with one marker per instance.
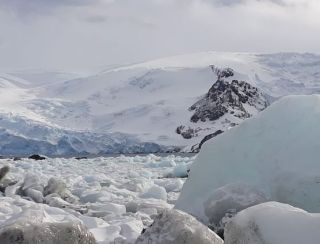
(228, 97)
(196, 148)
(80, 158)
(36, 157)
(4, 171)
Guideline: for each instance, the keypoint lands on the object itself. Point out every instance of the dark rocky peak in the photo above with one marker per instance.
(228, 102)
(228, 96)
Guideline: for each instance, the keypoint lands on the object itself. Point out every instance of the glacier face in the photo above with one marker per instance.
(144, 103)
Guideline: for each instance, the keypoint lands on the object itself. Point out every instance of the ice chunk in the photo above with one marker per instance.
(107, 208)
(177, 227)
(35, 195)
(91, 196)
(106, 234)
(157, 192)
(33, 181)
(273, 223)
(171, 185)
(276, 152)
(131, 230)
(55, 186)
(180, 171)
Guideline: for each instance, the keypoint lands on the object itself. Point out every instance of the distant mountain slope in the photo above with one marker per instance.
(149, 101)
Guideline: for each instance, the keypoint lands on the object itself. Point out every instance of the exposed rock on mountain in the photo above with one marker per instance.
(196, 148)
(228, 101)
(228, 95)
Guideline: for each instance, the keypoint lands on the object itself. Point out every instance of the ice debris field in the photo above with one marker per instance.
(114, 197)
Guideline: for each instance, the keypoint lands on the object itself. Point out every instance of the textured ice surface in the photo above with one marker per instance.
(177, 227)
(115, 198)
(273, 223)
(39, 224)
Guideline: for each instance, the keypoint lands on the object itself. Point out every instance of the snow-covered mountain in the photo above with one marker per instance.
(227, 103)
(147, 102)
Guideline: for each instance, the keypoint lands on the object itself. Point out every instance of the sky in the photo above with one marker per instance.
(74, 35)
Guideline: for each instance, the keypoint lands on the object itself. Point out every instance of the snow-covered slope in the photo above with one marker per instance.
(275, 152)
(150, 100)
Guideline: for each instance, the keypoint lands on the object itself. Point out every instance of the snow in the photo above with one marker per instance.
(177, 227)
(140, 102)
(273, 223)
(275, 152)
(115, 198)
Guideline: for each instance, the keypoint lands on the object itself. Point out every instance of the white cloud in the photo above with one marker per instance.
(77, 34)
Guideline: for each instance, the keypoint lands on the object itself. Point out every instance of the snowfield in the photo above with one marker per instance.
(113, 197)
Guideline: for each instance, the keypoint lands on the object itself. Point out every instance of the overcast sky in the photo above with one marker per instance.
(81, 34)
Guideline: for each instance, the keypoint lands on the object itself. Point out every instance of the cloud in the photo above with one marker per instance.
(79, 34)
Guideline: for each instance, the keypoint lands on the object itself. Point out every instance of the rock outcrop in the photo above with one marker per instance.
(227, 103)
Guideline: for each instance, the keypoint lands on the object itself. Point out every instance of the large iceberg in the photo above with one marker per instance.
(276, 153)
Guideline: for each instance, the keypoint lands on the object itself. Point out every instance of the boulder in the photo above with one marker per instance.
(176, 227)
(156, 192)
(3, 172)
(44, 225)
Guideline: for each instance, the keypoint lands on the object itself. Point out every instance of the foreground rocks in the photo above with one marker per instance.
(44, 225)
(177, 227)
(273, 223)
